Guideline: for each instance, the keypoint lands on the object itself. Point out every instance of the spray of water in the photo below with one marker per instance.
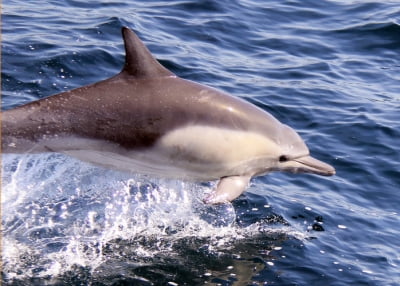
(59, 214)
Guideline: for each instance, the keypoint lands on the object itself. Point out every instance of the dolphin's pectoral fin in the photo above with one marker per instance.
(228, 189)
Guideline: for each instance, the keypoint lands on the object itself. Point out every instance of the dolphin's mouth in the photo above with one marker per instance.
(309, 164)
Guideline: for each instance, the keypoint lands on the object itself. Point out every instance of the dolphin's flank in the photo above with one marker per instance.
(147, 120)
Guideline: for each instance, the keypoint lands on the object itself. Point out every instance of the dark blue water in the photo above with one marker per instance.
(329, 69)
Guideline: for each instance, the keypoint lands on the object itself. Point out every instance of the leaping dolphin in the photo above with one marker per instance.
(145, 119)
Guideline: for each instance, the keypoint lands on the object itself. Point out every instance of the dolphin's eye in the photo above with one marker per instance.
(283, 158)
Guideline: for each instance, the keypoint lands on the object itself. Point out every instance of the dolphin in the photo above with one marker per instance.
(147, 120)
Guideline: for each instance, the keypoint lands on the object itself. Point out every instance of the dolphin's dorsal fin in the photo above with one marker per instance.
(139, 62)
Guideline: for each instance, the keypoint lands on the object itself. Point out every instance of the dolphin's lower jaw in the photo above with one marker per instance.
(308, 164)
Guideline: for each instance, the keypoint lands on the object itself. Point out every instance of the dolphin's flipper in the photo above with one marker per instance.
(228, 189)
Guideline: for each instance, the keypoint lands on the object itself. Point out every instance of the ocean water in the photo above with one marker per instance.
(329, 69)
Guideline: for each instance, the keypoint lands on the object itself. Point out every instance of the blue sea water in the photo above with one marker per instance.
(329, 69)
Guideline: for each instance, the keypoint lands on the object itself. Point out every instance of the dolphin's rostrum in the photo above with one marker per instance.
(147, 120)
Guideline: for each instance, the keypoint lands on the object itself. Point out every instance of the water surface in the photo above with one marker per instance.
(329, 69)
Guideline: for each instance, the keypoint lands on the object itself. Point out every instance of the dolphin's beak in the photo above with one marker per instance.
(309, 164)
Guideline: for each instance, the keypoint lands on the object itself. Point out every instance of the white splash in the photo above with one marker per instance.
(59, 213)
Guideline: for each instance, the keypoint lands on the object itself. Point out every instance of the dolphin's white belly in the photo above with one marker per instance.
(219, 151)
(192, 152)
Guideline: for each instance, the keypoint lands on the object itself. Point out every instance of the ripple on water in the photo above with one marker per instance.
(330, 69)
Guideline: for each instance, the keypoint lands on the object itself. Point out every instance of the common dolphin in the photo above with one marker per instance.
(145, 119)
